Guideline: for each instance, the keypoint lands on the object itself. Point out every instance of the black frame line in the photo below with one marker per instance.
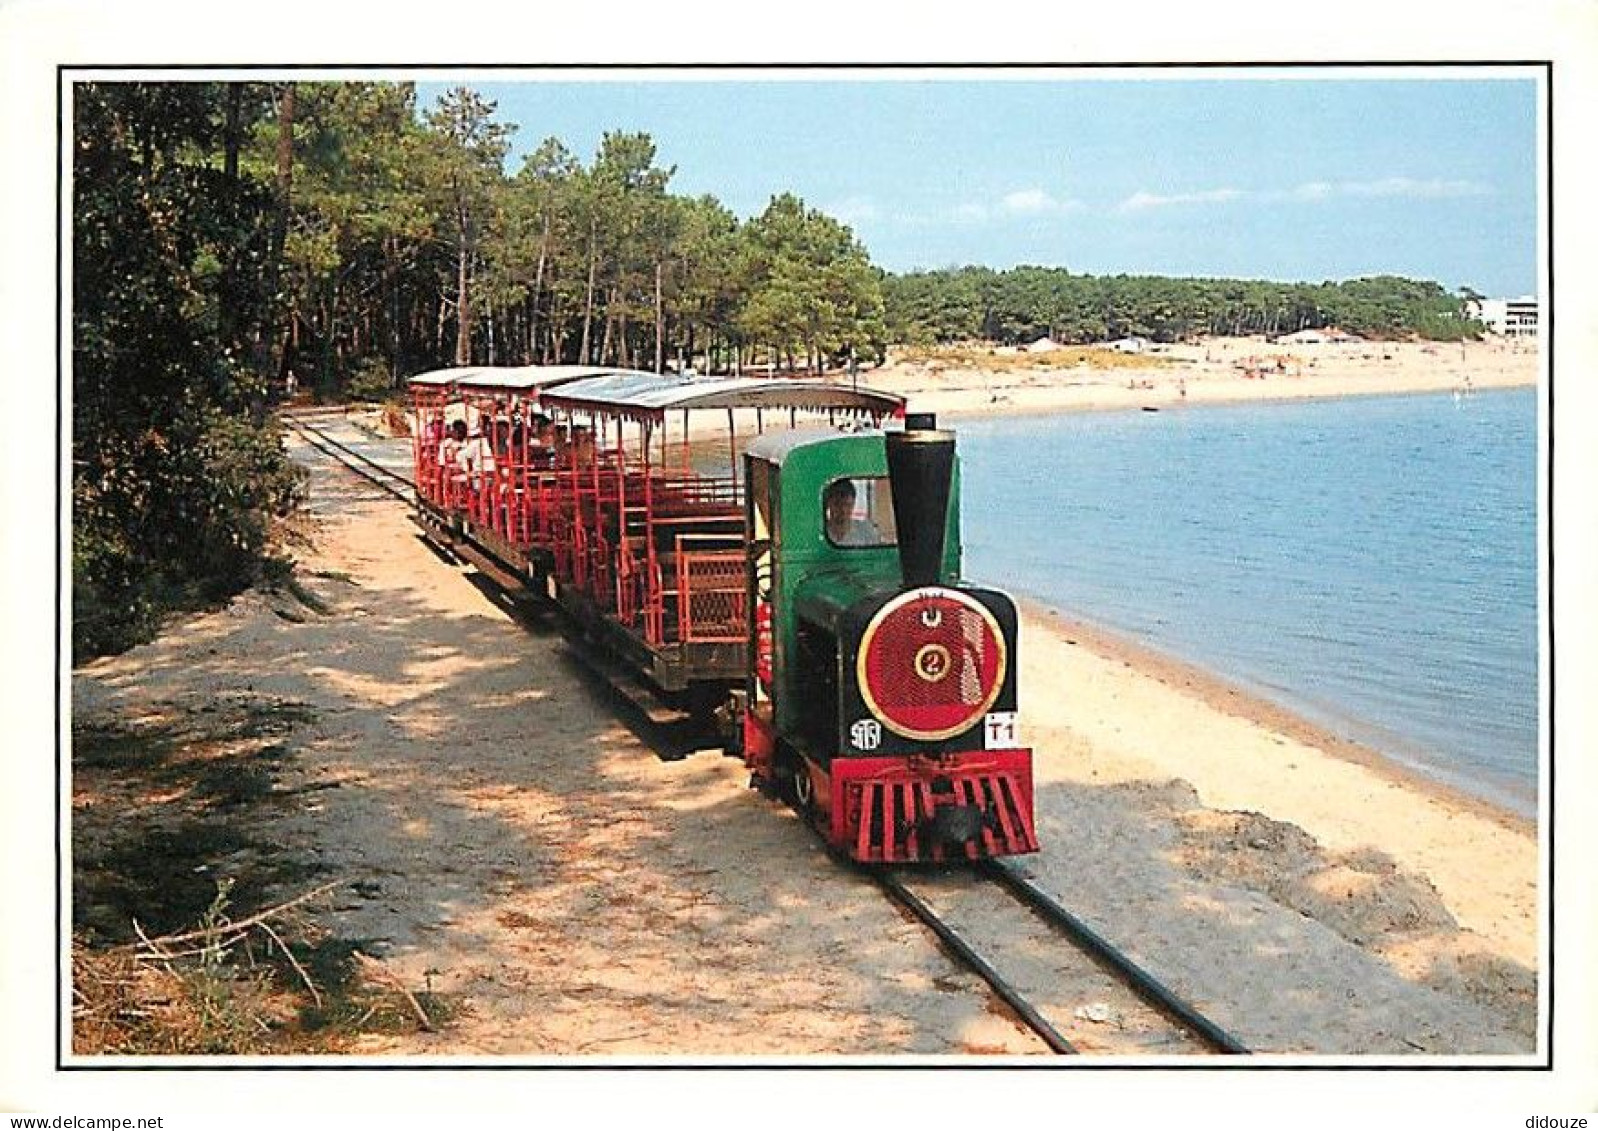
(64, 81)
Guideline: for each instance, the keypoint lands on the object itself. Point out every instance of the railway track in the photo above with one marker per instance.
(387, 479)
(1147, 1016)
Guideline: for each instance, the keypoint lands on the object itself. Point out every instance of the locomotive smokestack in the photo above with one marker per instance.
(920, 466)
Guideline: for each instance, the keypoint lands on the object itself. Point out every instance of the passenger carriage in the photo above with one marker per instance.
(616, 517)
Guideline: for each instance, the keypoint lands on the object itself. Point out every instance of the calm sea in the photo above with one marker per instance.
(1370, 563)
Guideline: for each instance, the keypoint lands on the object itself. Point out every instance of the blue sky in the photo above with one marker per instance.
(1297, 178)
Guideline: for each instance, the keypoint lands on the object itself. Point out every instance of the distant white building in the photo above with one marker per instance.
(1510, 317)
(1130, 345)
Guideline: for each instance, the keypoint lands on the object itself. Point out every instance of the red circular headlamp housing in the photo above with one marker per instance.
(931, 663)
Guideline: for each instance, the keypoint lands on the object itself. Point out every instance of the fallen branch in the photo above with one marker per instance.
(230, 928)
(144, 939)
(618, 1039)
(381, 973)
(157, 955)
(294, 962)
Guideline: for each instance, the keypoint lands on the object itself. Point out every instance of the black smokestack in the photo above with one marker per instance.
(920, 466)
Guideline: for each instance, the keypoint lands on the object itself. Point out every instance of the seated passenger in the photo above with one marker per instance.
(843, 528)
(449, 470)
(496, 428)
(475, 456)
(449, 450)
(541, 452)
(583, 446)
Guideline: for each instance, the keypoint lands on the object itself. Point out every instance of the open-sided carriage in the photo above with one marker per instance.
(617, 493)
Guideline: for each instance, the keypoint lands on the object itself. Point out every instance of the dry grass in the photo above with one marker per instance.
(179, 945)
(292, 996)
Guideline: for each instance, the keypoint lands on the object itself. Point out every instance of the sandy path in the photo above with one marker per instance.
(514, 844)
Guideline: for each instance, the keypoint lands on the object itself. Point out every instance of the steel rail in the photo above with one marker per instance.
(342, 453)
(1148, 987)
(963, 951)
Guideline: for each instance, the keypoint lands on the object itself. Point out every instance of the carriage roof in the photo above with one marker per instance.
(441, 377)
(515, 378)
(650, 395)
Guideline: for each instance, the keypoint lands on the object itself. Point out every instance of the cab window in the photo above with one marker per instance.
(858, 512)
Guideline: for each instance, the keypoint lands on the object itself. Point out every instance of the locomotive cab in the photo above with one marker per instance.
(882, 689)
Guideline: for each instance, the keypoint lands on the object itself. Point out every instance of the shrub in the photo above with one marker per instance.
(371, 381)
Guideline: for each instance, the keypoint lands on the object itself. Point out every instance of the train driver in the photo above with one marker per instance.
(843, 528)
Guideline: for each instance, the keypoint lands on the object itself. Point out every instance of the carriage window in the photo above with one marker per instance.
(859, 512)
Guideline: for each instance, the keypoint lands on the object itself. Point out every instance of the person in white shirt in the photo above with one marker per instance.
(476, 456)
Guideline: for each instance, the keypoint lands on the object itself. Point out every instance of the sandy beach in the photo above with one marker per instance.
(487, 803)
(1219, 371)
(985, 382)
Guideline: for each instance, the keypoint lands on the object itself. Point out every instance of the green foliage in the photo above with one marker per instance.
(176, 474)
(228, 234)
(1026, 303)
(371, 381)
(809, 285)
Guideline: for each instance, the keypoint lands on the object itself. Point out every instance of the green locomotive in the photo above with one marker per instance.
(881, 690)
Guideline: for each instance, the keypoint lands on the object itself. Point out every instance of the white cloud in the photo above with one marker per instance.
(1406, 186)
(1313, 190)
(1142, 200)
(853, 210)
(1434, 189)
(1031, 202)
(1036, 202)
(1022, 202)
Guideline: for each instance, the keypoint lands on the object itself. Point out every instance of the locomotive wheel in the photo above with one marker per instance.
(803, 789)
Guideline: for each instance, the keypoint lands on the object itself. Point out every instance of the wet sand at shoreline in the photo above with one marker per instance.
(1129, 713)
